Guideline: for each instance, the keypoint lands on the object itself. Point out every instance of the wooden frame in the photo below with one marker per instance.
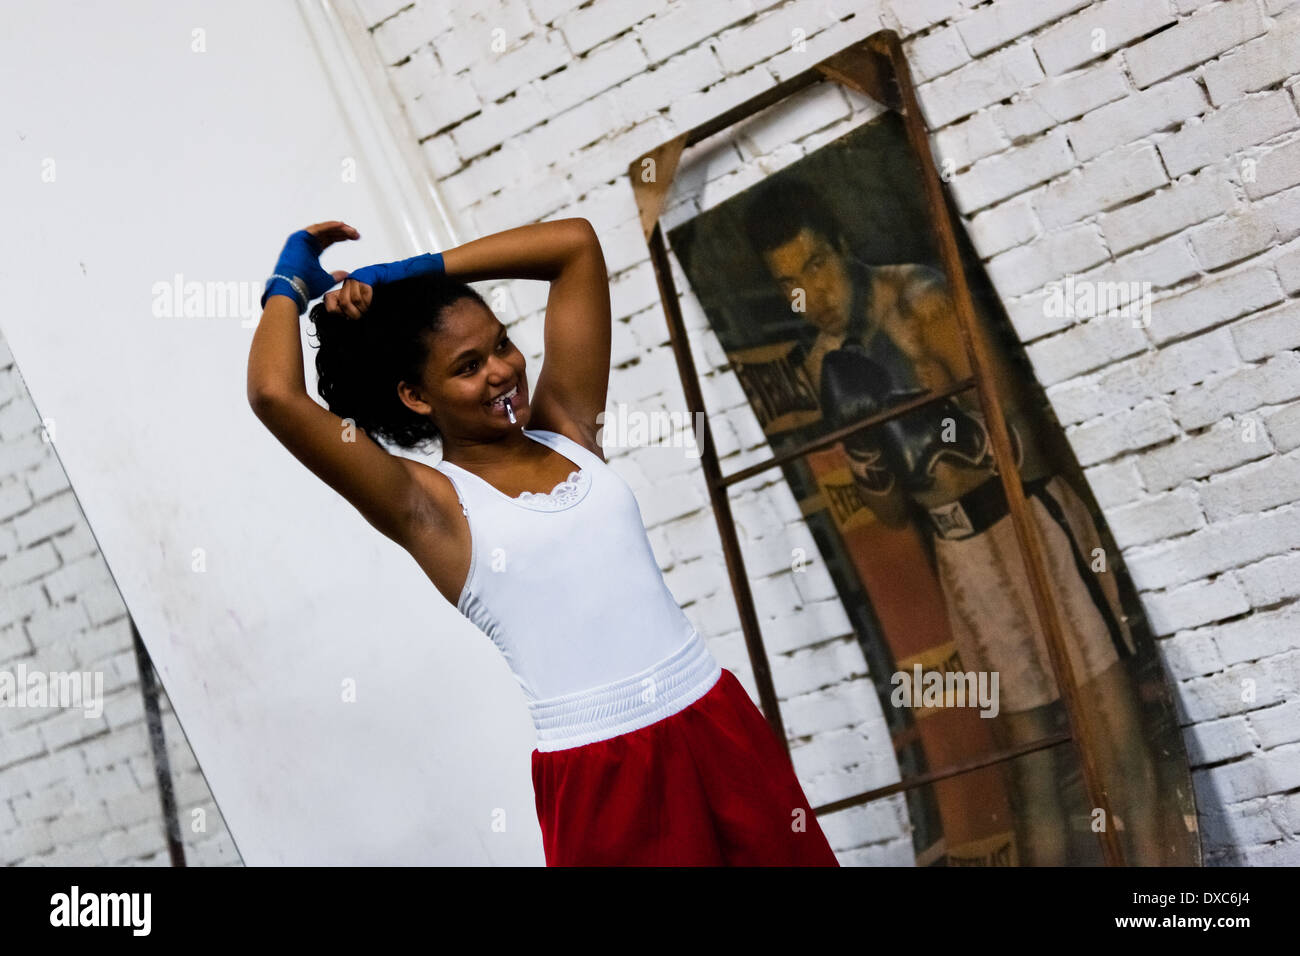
(874, 67)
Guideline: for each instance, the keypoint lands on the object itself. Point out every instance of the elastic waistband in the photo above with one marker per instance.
(631, 703)
(980, 508)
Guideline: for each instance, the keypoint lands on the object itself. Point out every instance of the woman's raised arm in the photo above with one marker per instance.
(275, 357)
(574, 379)
(378, 484)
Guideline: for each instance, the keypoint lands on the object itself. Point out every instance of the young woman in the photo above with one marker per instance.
(648, 752)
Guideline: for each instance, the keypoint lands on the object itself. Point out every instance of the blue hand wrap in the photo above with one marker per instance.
(299, 260)
(429, 262)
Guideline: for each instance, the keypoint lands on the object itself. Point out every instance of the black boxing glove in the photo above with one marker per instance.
(940, 431)
(855, 387)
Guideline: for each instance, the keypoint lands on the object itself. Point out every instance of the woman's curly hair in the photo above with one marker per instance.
(359, 362)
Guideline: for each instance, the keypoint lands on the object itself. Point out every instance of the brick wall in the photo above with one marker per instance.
(1153, 141)
(77, 790)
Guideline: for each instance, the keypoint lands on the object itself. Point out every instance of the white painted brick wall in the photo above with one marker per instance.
(1284, 427)
(1256, 64)
(766, 35)
(1047, 259)
(1156, 518)
(1224, 446)
(978, 84)
(1082, 348)
(1212, 302)
(1244, 123)
(1194, 40)
(1170, 210)
(1114, 484)
(585, 28)
(912, 16)
(1197, 604)
(1216, 548)
(1108, 181)
(1272, 482)
(1121, 140)
(1060, 98)
(1136, 116)
(959, 145)
(1100, 28)
(936, 53)
(991, 26)
(1012, 172)
(1269, 383)
(75, 790)
(1005, 225)
(1126, 383)
(1236, 237)
(1150, 423)
(1277, 168)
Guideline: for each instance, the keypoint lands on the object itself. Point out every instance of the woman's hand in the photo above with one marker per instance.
(327, 233)
(298, 272)
(355, 295)
(352, 299)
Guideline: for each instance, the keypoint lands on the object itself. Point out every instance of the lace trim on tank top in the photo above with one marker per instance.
(561, 496)
(564, 495)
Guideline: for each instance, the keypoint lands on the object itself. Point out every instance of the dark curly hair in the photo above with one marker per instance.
(359, 362)
(780, 208)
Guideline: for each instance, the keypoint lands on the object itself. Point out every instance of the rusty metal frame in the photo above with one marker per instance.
(876, 68)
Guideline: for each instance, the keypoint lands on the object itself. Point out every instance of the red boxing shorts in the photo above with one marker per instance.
(707, 785)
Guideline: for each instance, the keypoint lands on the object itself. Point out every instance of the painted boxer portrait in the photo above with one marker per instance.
(847, 313)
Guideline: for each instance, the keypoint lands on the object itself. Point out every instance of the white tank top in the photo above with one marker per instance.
(567, 587)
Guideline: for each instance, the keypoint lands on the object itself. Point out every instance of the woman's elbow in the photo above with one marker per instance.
(264, 400)
(584, 232)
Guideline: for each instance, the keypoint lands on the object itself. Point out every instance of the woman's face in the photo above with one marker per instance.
(472, 362)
